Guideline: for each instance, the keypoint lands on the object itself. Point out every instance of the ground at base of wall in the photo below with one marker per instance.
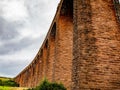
(12, 88)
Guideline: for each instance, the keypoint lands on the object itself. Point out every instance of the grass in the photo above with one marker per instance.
(9, 83)
(4, 88)
(4, 78)
(12, 88)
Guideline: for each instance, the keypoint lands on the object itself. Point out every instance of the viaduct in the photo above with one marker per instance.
(81, 48)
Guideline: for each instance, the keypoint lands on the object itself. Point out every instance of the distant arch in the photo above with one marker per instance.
(117, 9)
(53, 31)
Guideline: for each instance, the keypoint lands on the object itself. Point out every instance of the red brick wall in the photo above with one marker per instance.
(81, 49)
(96, 62)
(51, 58)
(63, 60)
(44, 62)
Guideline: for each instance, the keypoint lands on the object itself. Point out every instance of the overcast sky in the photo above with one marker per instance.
(23, 27)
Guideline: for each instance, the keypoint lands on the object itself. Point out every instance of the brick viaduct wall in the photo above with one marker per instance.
(81, 49)
(54, 59)
(96, 48)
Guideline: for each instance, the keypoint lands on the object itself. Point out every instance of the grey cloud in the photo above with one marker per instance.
(7, 30)
(12, 47)
(11, 67)
(40, 13)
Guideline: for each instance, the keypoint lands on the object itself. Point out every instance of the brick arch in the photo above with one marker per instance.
(53, 31)
(117, 9)
(51, 53)
(64, 44)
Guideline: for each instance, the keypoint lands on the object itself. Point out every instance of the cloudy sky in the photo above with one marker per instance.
(23, 26)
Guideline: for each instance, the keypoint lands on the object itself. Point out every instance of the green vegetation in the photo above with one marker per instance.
(4, 78)
(4, 88)
(11, 88)
(7, 82)
(46, 85)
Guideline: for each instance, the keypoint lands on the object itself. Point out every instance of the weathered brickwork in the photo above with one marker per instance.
(64, 51)
(96, 62)
(51, 58)
(83, 42)
(81, 49)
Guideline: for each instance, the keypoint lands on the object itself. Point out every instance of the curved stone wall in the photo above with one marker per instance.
(81, 49)
(54, 59)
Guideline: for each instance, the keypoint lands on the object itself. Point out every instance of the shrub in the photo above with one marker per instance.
(8, 83)
(0, 82)
(46, 85)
